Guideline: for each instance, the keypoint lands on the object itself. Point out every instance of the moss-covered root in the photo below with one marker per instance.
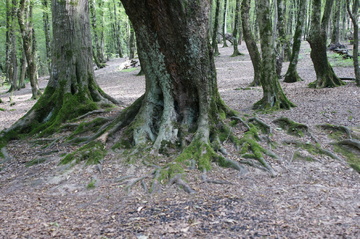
(292, 127)
(91, 153)
(350, 148)
(337, 132)
(252, 150)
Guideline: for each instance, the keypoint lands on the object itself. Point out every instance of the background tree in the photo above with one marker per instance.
(354, 13)
(72, 89)
(27, 34)
(236, 27)
(335, 33)
(292, 74)
(215, 28)
(46, 20)
(98, 50)
(224, 23)
(325, 75)
(250, 42)
(273, 95)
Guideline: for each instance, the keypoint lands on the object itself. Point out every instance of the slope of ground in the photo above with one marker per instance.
(306, 199)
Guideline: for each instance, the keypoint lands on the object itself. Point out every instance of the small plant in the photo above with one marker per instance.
(91, 184)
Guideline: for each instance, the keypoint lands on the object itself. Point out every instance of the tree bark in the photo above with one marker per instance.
(250, 42)
(47, 32)
(181, 106)
(273, 95)
(224, 24)
(354, 18)
(215, 29)
(26, 30)
(97, 50)
(335, 34)
(235, 31)
(325, 75)
(72, 89)
(11, 57)
(292, 74)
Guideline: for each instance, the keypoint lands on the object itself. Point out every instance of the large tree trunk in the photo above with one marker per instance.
(27, 36)
(250, 42)
(292, 74)
(354, 18)
(273, 95)
(72, 89)
(181, 107)
(325, 75)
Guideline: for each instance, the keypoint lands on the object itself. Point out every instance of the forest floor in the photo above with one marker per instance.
(317, 198)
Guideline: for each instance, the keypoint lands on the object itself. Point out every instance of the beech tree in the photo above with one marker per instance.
(292, 74)
(273, 95)
(250, 42)
(72, 89)
(354, 18)
(325, 75)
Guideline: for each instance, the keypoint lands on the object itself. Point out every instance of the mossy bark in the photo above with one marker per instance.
(235, 31)
(72, 89)
(325, 75)
(273, 95)
(250, 42)
(181, 107)
(292, 75)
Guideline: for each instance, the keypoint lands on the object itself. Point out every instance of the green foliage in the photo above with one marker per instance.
(337, 60)
(91, 184)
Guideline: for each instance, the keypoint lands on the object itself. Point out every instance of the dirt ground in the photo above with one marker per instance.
(306, 199)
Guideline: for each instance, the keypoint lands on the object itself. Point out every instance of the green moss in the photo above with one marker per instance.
(352, 156)
(299, 156)
(35, 162)
(91, 126)
(291, 127)
(92, 153)
(1, 109)
(129, 69)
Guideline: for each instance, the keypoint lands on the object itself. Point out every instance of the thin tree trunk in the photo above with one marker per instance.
(12, 66)
(27, 36)
(224, 24)
(47, 33)
(215, 29)
(335, 34)
(23, 66)
(292, 74)
(250, 42)
(354, 18)
(235, 31)
(132, 46)
(97, 54)
(273, 95)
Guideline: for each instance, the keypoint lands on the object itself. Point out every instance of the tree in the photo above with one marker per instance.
(27, 33)
(325, 75)
(215, 29)
(250, 42)
(72, 89)
(224, 24)
(354, 18)
(273, 95)
(335, 34)
(97, 46)
(47, 33)
(11, 54)
(292, 74)
(235, 31)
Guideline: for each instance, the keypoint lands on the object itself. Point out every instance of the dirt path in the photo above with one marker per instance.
(307, 199)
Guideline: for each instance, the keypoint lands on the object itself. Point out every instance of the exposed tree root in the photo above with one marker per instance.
(350, 142)
(206, 180)
(180, 182)
(336, 128)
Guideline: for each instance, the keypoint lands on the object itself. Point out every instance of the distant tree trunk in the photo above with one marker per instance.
(224, 24)
(281, 36)
(72, 89)
(132, 46)
(235, 31)
(273, 95)
(117, 31)
(335, 34)
(325, 75)
(292, 74)
(97, 50)
(354, 18)
(47, 33)
(11, 57)
(26, 30)
(250, 42)
(215, 29)
(23, 66)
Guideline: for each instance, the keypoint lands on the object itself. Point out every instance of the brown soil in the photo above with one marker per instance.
(307, 199)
